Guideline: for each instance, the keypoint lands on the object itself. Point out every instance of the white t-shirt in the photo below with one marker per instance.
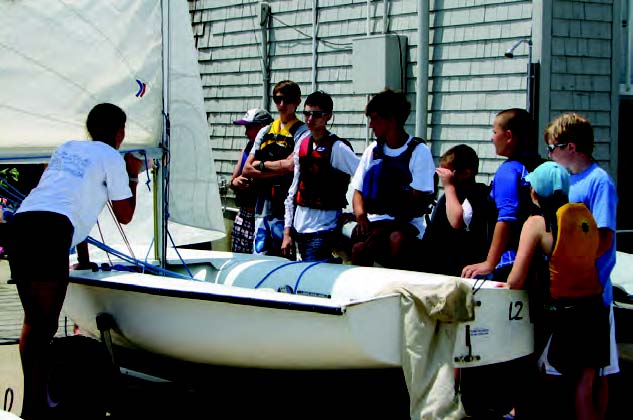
(422, 170)
(307, 219)
(80, 178)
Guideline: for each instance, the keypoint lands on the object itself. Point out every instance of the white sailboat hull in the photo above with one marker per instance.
(218, 322)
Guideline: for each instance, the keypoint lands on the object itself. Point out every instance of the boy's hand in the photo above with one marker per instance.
(362, 227)
(240, 183)
(287, 246)
(132, 165)
(479, 269)
(446, 176)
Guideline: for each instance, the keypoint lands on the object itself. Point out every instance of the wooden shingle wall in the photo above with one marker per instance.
(470, 80)
(582, 71)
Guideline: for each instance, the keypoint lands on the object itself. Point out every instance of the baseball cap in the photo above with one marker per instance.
(549, 177)
(255, 116)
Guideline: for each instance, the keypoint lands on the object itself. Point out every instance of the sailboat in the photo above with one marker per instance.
(212, 307)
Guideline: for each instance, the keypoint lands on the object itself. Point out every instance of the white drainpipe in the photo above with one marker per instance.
(422, 78)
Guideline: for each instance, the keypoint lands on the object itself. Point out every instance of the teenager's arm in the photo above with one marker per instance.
(358, 205)
(124, 209)
(500, 239)
(531, 236)
(238, 182)
(268, 169)
(606, 239)
(454, 210)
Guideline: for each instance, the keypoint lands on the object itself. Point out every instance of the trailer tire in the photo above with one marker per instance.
(82, 378)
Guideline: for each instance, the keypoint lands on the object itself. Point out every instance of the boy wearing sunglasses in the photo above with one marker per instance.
(570, 143)
(270, 163)
(323, 166)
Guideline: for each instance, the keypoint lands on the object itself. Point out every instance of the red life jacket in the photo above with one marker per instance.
(321, 186)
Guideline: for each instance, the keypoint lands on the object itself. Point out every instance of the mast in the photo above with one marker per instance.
(162, 174)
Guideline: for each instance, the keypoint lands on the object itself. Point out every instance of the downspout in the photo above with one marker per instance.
(422, 79)
(368, 17)
(385, 16)
(315, 28)
(263, 24)
(367, 135)
(627, 55)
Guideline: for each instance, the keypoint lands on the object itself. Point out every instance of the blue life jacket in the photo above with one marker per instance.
(386, 184)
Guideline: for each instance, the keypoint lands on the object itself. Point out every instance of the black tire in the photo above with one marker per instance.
(82, 378)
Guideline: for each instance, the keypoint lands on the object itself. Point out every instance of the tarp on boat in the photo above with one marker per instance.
(430, 315)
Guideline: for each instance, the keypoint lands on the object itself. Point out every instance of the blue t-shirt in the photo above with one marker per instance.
(506, 192)
(595, 188)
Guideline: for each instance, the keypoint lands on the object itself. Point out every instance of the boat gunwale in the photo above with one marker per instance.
(211, 297)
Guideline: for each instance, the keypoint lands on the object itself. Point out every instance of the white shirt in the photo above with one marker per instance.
(307, 219)
(422, 170)
(80, 178)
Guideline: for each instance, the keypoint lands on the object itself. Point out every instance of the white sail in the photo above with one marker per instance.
(58, 59)
(194, 195)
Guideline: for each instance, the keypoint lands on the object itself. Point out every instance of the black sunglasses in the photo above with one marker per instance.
(315, 114)
(278, 98)
(552, 147)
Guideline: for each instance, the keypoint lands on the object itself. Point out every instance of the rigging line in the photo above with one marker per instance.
(150, 267)
(121, 231)
(476, 289)
(304, 271)
(103, 240)
(10, 188)
(11, 197)
(184, 264)
(275, 269)
(149, 249)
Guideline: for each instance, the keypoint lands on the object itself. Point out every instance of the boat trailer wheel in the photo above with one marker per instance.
(82, 378)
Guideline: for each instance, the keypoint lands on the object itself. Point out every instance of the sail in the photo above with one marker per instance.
(194, 196)
(60, 58)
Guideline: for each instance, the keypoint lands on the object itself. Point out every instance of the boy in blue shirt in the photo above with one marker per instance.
(570, 143)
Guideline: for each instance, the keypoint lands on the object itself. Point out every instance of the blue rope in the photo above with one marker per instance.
(304, 271)
(6, 184)
(275, 269)
(178, 253)
(150, 268)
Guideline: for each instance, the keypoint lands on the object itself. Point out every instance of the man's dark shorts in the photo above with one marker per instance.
(39, 243)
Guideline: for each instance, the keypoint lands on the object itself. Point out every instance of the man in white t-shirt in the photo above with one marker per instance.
(393, 187)
(323, 166)
(56, 215)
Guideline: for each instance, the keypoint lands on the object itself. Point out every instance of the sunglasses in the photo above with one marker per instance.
(552, 147)
(279, 98)
(315, 114)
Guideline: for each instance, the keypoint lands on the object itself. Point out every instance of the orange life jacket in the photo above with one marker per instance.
(572, 266)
